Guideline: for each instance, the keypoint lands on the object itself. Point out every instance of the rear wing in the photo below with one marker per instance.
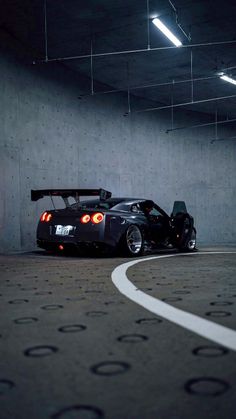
(66, 193)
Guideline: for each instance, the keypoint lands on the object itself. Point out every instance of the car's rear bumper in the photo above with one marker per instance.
(92, 236)
(60, 245)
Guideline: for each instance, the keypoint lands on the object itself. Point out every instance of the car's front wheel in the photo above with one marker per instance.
(132, 242)
(190, 245)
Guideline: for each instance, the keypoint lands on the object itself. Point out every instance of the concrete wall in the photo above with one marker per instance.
(51, 139)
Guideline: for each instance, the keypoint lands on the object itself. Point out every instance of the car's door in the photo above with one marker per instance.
(182, 224)
(158, 222)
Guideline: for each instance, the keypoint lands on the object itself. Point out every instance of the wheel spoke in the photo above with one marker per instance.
(191, 244)
(134, 239)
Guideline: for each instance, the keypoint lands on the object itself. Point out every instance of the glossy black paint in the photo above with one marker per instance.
(157, 228)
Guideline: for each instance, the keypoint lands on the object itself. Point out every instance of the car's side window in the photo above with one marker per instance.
(102, 205)
(136, 208)
(154, 211)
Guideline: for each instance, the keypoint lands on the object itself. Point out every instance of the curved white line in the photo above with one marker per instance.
(205, 328)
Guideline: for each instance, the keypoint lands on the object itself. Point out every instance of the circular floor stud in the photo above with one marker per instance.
(206, 386)
(79, 412)
(73, 328)
(218, 313)
(210, 351)
(171, 299)
(18, 301)
(134, 338)
(110, 368)
(92, 292)
(181, 292)
(166, 284)
(221, 303)
(25, 320)
(96, 313)
(52, 307)
(43, 292)
(5, 386)
(149, 321)
(40, 351)
(75, 299)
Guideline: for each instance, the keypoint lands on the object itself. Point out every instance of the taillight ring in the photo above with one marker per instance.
(46, 217)
(85, 219)
(97, 218)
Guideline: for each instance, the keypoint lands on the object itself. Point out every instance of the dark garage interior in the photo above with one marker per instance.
(94, 95)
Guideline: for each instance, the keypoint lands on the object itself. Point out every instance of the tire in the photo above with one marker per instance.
(190, 246)
(132, 243)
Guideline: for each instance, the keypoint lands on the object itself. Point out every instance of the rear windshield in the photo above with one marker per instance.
(95, 204)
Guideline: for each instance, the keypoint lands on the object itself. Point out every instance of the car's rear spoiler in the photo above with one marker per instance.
(66, 193)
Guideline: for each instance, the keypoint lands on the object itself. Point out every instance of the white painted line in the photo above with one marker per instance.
(205, 328)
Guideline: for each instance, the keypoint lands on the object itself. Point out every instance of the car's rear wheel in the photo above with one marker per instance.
(132, 242)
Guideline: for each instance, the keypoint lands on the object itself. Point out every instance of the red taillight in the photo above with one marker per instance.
(49, 217)
(46, 216)
(97, 218)
(61, 247)
(85, 219)
(43, 216)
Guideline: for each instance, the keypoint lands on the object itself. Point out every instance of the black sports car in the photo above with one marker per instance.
(130, 225)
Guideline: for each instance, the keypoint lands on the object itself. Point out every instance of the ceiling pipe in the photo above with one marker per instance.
(134, 51)
(172, 109)
(91, 68)
(226, 121)
(173, 6)
(228, 68)
(148, 27)
(147, 86)
(128, 89)
(191, 72)
(177, 21)
(216, 124)
(223, 139)
(45, 31)
(178, 105)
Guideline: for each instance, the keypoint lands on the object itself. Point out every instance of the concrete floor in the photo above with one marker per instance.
(73, 347)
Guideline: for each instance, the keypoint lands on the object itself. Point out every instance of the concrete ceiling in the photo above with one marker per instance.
(122, 25)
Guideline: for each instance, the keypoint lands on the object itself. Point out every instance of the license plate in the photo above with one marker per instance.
(64, 230)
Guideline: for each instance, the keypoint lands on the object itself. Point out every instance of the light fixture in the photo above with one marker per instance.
(228, 79)
(157, 22)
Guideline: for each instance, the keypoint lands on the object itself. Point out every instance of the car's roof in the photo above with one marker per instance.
(116, 203)
(110, 202)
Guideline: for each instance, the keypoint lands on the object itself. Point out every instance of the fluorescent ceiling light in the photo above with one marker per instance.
(167, 32)
(228, 79)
